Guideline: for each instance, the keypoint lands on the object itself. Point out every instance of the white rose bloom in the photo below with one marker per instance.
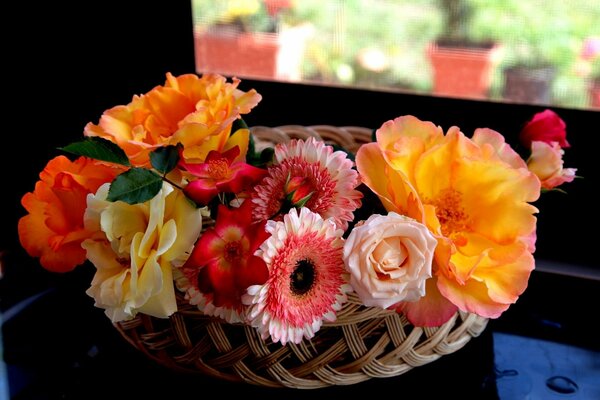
(389, 259)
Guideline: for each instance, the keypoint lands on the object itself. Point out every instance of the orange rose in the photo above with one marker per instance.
(53, 230)
(474, 197)
(196, 112)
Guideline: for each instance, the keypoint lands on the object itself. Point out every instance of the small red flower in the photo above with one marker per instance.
(545, 126)
(220, 173)
(298, 191)
(222, 264)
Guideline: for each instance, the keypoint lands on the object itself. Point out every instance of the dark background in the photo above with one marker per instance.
(70, 63)
(67, 63)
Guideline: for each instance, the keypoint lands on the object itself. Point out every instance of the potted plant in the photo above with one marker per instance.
(543, 50)
(532, 63)
(462, 64)
(238, 37)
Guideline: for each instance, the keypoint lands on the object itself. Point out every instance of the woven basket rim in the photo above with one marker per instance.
(364, 342)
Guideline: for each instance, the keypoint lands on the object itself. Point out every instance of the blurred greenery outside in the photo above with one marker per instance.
(383, 43)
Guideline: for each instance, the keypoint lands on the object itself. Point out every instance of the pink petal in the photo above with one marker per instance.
(202, 191)
(257, 233)
(222, 277)
(199, 170)
(431, 310)
(243, 175)
(209, 247)
(254, 272)
(545, 126)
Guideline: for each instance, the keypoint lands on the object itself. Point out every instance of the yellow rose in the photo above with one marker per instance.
(389, 259)
(474, 197)
(135, 248)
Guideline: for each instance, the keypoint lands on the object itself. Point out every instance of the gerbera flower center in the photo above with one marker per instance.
(218, 169)
(303, 277)
(233, 251)
(450, 212)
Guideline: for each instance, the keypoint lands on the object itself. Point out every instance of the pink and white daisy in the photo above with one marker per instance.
(307, 282)
(326, 174)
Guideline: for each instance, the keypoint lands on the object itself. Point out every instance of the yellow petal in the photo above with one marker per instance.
(404, 139)
(163, 303)
(120, 221)
(188, 221)
(150, 281)
(434, 172)
(496, 197)
(392, 188)
(167, 236)
(240, 138)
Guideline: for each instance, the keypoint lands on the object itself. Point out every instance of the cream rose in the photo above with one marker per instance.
(547, 164)
(389, 259)
(135, 248)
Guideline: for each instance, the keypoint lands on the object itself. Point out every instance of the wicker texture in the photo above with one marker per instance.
(363, 343)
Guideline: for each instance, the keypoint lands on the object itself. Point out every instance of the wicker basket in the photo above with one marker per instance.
(363, 343)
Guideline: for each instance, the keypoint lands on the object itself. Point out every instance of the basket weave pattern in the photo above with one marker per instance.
(363, 343)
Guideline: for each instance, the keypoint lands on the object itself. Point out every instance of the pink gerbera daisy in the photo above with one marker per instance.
(307, 282)
(326, 175)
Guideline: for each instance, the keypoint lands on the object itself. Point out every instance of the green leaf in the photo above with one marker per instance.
(135, 186)
(238, 124)
(374, 135)
(251, 154)
(266, 156)
(251, 157)
(165, 158)
(302, 202)
(259, 160)
(98, 149)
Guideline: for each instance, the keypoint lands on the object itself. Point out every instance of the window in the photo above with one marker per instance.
(534, 51)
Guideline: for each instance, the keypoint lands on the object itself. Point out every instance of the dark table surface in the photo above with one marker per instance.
(57, 345)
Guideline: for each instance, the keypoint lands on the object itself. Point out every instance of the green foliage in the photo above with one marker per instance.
(165, 158)
(258, 159)
(136, 185)
(595, 69)
(238, 124)
(531, 32)
(457, 16)
(537, 32)
(238, 14)
(347, 28)
(98, 149)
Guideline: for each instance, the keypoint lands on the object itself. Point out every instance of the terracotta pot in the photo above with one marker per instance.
(528, 85)
(252, 55)
(463, 72)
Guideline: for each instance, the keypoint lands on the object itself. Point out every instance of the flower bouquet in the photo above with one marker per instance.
(292, 256)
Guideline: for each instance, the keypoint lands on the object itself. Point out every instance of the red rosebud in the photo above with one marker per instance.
(545, 126)
(298, 191)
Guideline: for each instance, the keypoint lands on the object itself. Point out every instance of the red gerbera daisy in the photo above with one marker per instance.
(222, 264)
